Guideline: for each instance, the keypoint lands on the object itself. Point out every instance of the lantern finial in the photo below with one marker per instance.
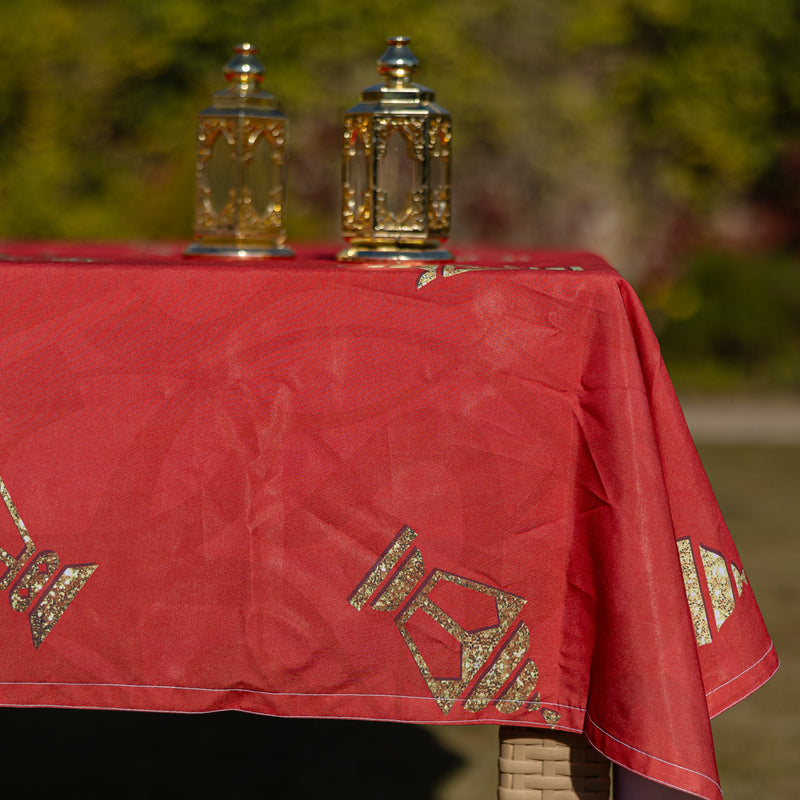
(398, 64)
(244, 72)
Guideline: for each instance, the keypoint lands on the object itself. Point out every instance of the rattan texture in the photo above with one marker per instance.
(550, 765)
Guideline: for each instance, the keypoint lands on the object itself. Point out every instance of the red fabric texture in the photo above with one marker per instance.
(436, 494)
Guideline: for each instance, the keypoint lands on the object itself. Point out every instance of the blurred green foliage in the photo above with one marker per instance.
(728, 322)
(590, 122)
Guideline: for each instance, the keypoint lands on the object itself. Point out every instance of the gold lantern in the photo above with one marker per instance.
(241, 167)
(396, 167)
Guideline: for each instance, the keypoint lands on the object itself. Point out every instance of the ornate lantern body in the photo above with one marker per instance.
(241, 167)
(396, 167)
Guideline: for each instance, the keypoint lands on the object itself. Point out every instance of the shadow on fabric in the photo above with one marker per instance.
(121, 754)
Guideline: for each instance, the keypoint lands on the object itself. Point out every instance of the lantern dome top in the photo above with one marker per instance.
(398, 64)
(244, 72)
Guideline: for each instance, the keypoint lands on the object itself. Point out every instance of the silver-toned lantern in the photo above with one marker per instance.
(396, 167)
(241, 167)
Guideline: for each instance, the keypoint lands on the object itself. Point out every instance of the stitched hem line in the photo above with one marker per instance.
(246, 691)
(770, 649)
(654, 758)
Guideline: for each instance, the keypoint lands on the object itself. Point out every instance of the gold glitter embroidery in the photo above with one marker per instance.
(48, 609)
(402, 584)
(450, 270)
(500, 670)
(489, 652)
(383, 567)
(551, 717)
(694, 594)
(476, 646)
(33, 580)
(739, 578)
(47, 612)
(426, 277)
(521, 688)
(14, 563)
(719, 584)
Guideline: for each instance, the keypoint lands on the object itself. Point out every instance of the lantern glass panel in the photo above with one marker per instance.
(220, 171)
(358, 174)
(397, 175)
(439, 180)
(438, 174)
(264, 176)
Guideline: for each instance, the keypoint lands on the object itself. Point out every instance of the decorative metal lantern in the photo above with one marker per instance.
(241, 167)
(396, 167)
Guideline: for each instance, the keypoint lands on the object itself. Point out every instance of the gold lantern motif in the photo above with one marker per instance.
(241, 167)
(396, 167)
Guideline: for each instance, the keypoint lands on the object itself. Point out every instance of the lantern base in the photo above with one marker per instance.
(393, 253)
(230, 250)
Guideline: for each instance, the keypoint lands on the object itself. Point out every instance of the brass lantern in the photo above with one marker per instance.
(241, 167)
(396, 167)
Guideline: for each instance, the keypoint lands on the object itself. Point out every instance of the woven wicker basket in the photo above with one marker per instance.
(550, 765)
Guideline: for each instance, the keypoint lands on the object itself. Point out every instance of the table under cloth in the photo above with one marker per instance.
(457, 493)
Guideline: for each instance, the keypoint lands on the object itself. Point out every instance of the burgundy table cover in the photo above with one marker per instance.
(456, 493)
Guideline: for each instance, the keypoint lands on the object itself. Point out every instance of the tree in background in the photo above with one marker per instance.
(615, 125)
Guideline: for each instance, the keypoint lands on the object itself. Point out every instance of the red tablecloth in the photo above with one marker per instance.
(438, 494)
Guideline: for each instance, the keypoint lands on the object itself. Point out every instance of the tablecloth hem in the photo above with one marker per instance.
(743, 685)
(651, 767)
(178, 699)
